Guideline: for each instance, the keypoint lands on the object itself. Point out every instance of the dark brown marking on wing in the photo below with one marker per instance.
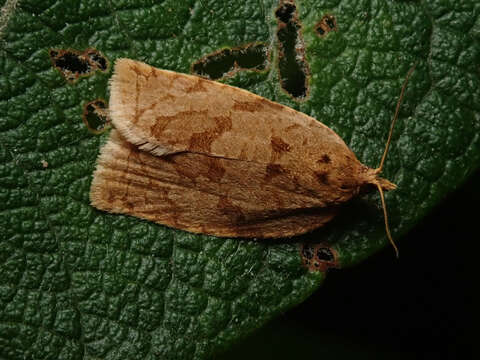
(249, 106)
(140, 113)
(215, 169)
(292, 127)
(199, 86)
(278, 145)
(202, 141)
(273, 170)
(170, 158)
(243, 154)
(322, 177)
(232, 211)
(162, 122)
(188, 172)
(272, 105)
(141, 73)
(325, 159)
(173, 219)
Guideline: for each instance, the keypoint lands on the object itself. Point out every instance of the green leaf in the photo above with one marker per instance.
(78, 283)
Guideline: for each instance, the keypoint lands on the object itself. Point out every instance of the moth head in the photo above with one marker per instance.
(376, 180)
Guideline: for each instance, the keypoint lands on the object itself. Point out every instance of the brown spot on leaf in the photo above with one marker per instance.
(327, 24)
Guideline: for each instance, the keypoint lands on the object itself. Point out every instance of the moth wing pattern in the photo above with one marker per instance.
(210, 158)
(199, 193)
(166, 112)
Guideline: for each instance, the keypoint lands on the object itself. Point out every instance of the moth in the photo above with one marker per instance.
(210, 158)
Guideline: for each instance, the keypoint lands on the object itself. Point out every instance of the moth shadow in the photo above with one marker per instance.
(354, 215)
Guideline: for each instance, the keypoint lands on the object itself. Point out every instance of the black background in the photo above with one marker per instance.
(418, 307)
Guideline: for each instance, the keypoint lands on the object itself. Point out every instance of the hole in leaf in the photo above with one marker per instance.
(318, 257)
(73, 64)
(97, 59)
(226, 62)
(95, 116)
(292, 65)
(285, 12)
(325, 254)
(327, 24)
(307, 252)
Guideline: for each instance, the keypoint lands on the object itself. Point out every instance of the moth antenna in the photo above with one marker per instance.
(395, 117)
(385, 216)
(384, 156)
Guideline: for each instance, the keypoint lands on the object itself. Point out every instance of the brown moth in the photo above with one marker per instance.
(210, 158)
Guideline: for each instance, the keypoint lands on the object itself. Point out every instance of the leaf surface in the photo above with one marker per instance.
(76, 283)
